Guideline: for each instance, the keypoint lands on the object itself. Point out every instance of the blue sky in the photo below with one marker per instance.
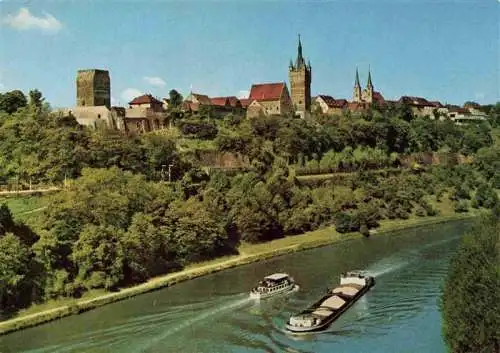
(442, 50)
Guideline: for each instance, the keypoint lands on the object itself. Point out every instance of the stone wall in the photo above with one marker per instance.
(222, 160)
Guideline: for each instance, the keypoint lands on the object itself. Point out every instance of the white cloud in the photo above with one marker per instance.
(243, 94)
(24, 20)
(154, 81)
(2, 87)
(130, 93)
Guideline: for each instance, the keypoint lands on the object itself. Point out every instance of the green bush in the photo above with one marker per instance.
(461, 206)
(346, 222)
(420, 212)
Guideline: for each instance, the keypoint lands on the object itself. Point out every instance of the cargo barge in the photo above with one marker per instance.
(353, 285)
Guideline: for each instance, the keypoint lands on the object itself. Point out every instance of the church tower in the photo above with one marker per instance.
(368, 92)
(356, 95)
(300, 82)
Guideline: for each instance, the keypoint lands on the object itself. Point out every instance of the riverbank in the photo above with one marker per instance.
(248, 253)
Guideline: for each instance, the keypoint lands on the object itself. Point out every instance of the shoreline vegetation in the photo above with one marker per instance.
(249, 253)
(137, 206)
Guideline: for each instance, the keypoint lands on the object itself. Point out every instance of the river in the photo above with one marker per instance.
(213, 313)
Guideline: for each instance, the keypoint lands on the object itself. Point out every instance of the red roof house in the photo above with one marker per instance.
(273, 99)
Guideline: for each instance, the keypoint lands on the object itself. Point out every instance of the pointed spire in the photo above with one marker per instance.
(369, 83)
(300, 59)
(291, 64)
(356, 83)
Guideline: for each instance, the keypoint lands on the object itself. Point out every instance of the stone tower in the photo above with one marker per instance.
(356, 95)
(93, 88)
(300, 82)
(368, 91)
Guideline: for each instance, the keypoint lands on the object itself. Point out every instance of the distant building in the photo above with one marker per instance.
(233, 101)
(362, 99)
(194, 101)
(329, 105)
(269, 99)
(166, 103)
(222, 102)
(300, 76)
(145, 113)
(245, 102)
(93, 88)
(95, 116)
(421, 107)
(93, 102)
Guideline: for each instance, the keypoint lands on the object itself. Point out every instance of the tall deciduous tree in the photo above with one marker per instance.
(98, 255)
(11, 101)
(471, 299)
(14, 260)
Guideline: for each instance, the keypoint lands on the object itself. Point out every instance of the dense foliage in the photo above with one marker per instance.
(471, 298)
(117, 225)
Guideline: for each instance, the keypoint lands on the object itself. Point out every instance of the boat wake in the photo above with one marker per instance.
(197, 319)
(383, 267)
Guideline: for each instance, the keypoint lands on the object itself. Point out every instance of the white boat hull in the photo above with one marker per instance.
(257, 295)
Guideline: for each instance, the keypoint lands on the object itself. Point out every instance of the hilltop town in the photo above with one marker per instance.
(147, 113)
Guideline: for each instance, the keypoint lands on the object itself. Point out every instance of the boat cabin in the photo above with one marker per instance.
(275, 282)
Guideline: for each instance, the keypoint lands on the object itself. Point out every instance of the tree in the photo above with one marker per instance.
(175, 98)
(193, 232)
(486, 196)
(470, 303)
(98, 256)
(7, 223)
(11, 101)
(145, 250)
(14, 260)
(36, 99)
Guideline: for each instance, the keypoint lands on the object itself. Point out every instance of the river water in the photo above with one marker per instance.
(213, 313)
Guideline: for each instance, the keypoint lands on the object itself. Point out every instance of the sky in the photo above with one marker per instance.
(442, 50)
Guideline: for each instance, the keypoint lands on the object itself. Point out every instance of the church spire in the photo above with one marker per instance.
(300, 59)
(369, 83)
(356, 82)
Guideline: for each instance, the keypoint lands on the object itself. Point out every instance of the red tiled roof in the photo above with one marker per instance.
(220, 101)
(267, 91)
(355, 106)
(202, 98)
(415, 101)
(332, 102)
(377, 97)
(145, 99)
(329, 100)
(341, 103)
(436, 104)
(245, 102)
(226, 101)
(235, 102)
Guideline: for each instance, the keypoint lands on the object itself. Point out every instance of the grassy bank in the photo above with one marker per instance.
(24, 208)
(249, 253)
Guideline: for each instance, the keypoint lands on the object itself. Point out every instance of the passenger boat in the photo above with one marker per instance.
(274, 284)
(353, 285)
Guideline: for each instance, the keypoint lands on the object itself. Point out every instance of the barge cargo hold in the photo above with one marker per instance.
(353, 285)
